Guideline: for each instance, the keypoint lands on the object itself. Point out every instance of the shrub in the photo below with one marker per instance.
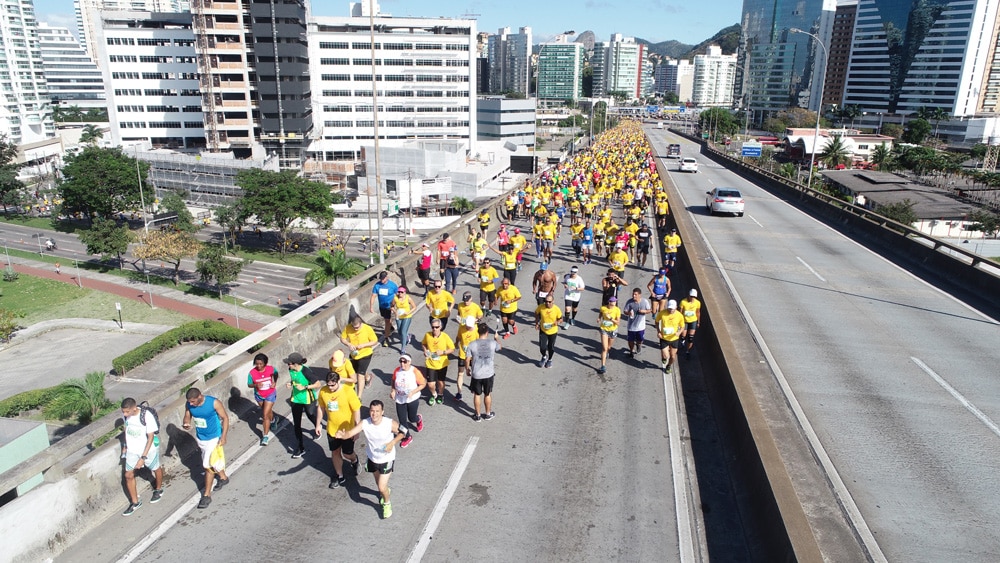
(9, 275)
(196, 331)
(82, 398)
(29, 400)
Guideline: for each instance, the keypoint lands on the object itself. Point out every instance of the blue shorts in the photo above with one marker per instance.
(267, 398)
(636, 335)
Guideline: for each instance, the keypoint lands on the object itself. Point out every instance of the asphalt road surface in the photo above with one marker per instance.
(897, 379)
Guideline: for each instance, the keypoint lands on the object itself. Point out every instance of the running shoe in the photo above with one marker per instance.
(264, 441)
(381, 500)
(221, 483)
(476, 418)
(458, 396)
(439, 400)
(335, 483)
(406, 441)
(275, 425)
(430, 400)
(668, 369)
(602, 370)
(506, 335)
(489, 416)
(299, 453)
(354, 466)
(513, 328)
(541, 363)
(132, 507)
(157, 495)
(420, 422)
(386, 510)
(204, 502)
(548, 364)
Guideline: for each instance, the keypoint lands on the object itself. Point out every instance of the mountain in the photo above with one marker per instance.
(671, 48)
(727, 38)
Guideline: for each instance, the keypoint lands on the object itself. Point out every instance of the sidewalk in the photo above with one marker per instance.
(165, 297)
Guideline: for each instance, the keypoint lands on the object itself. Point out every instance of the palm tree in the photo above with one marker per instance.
(788, 170)
(461, 205)
(81, 397)
(835, 153)
(91, 134)
(333, 266)
(881, 156)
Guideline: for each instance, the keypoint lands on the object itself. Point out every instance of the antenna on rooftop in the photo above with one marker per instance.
(470, 16)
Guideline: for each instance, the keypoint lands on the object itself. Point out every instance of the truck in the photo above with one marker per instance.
(673, 150)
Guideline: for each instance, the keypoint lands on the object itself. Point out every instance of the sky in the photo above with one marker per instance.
(689, 22)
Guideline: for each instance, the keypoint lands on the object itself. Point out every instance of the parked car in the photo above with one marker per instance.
(688, 165)
(725, 200)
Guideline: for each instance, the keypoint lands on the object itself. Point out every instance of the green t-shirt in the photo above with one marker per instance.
(303, 396)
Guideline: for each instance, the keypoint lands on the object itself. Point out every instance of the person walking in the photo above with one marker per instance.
(405, 389)
(481, 353)
(360, 338)
(403, 308)
(305, 384)
(381, 436)
(509, 295)
(342, 408)
(574, 286)
(608, 319)
(642, 241)
(635, 312)
(383, 293)
(488, 277)
(141, 450)
(262, 379)
(447, 248)
(669, 325)
(587, 242)
(543, 283)
(211, 423)
(424, 266)
(690, 307)
(437, 346)
(547, 317)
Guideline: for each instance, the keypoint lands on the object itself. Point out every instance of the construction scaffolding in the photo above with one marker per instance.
(208, 180)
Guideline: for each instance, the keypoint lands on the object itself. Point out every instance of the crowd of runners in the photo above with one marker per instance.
(599, 207)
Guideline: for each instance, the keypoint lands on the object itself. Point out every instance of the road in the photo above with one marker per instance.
(576, 466)
(896, 378)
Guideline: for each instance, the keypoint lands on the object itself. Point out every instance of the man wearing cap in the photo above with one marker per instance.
(669, 324)
(424, 265)
(509, 295)
(361, 340)
(671, 242)
(407, 384)
(543, 283)
(343, 368)
(608, 319)
(437, 346)
(439, 303)
(635, 312)
(659, 289)
(690, 307)
(467, 308)
(574, 286)
(305, 384)
(384, 292)
(518, 242)
(466, 334)
(343, 412)
(487, 285)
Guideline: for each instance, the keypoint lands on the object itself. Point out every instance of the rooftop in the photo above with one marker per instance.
(884, 188)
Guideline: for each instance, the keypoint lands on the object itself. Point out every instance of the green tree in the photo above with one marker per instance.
(91, 134)
(100, 181)
(83, 398)
(900, 212)
(798, 117)
(168, 246)
(11, 189)
(107, 238)
(332, 266)
(985, 222)
(96, 115)
(8, 323)
(231, 218)
(719, 121)
(462, 205)
(513, 95)
(881, 156)
(670, 98)
(978, 151)
(916, 131)
(893, 130)
(835, 152)
(619, 95)
(788, 170)
(278, 199)
(214, 265)
(173, 202)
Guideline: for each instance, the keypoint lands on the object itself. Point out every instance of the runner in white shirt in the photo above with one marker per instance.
(574, 287)
(381, 435)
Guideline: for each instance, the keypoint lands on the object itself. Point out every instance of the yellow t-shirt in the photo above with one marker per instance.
(363, 335)
(689, 309)
(669, 325)
(470, 309)
(577, 231)
(610, 316)
(509, 260)
(518, 242)
(402, 306)
(548, 318)
(465, 337)
(344, 371)
(340, 406)
(548, 232)
(618, 259)
(486, 277)
(439, 303)
(507, 299)
(437, 347)
(662, 207)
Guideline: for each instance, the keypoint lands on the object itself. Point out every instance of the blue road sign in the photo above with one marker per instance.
(751, 151)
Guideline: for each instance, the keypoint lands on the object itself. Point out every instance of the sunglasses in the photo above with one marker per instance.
(404, 361)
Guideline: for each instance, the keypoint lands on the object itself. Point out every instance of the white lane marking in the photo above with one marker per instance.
(851, 510)
(808, 267)
(755, 221)
(182, 510)
(442, 504)
(958, 396)
(682, 506)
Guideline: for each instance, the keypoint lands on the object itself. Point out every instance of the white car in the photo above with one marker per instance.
(725, 200)
(688, 165)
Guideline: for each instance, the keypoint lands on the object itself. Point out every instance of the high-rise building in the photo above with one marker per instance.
(72, 77)
(426, 82)
(676, 76)
(714, 74)
(504, 119)
(840, 52)
(618, 65)
(560, 72)
(510, 61)
(88, 16)
(932, 54)
(25, 115)
(775, 68)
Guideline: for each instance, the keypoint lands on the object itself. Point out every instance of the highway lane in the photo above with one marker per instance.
(576, 466)
(893, 375)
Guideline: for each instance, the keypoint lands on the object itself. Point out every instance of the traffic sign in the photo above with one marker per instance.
(751, 149)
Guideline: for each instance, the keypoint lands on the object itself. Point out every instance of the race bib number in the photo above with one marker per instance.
(667, 331)
(356, 354)
(199, 422)
(383, 291)
(543, 294)
(607, 324)
(437, 312)
(547, 326)
(486, 279)
(333, 406)
(505, 304)
(264, 385)
(689, 314)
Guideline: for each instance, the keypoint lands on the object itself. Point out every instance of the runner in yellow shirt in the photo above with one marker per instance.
(669, 325)
(342, 408)
(467, 333)
(547, 317)
(690, 307)
(437, 346)
(607, 320)
(487, 285)
(509, 295)
(439, 303)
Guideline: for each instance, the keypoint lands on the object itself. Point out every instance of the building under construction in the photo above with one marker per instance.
(208, 180)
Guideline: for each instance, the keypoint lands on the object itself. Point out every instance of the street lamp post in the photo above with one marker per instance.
(879, 131)
(378, 175)
(819, 106)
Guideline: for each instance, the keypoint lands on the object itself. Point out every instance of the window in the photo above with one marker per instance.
(338, 124)
(332, 45)
(366, 62)
(333, 62)
(193, 125)
(123, 58)
(367, 46)
(337, 93)
(428, 47)
(429, 62)
(153, 42)
(125, 75)
(398, 46)
(336, 77)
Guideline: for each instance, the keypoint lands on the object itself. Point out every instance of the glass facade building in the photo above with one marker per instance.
(560, 72)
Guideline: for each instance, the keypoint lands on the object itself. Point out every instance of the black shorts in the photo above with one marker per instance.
(482, 386)
(485, 296)
(424, 275)
(691, 326)
(383, 468)
(437, 374)
(361, 365)
(346, 447)
(644, 248)
(664, 344)
(385, 312)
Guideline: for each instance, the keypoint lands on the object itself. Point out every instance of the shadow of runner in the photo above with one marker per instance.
(182, 444)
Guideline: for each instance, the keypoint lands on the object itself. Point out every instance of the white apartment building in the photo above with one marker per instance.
(425, 74)
(510, 61)
(714, 75)
(88, 16)
(618, 66)
(25, 116)
(676, 76)
(503, 119)
(72, 77)
(151, 79)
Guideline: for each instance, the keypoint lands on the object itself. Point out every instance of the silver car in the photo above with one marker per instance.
(725, 200)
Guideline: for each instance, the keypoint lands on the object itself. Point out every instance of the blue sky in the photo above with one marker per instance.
(654, 20)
